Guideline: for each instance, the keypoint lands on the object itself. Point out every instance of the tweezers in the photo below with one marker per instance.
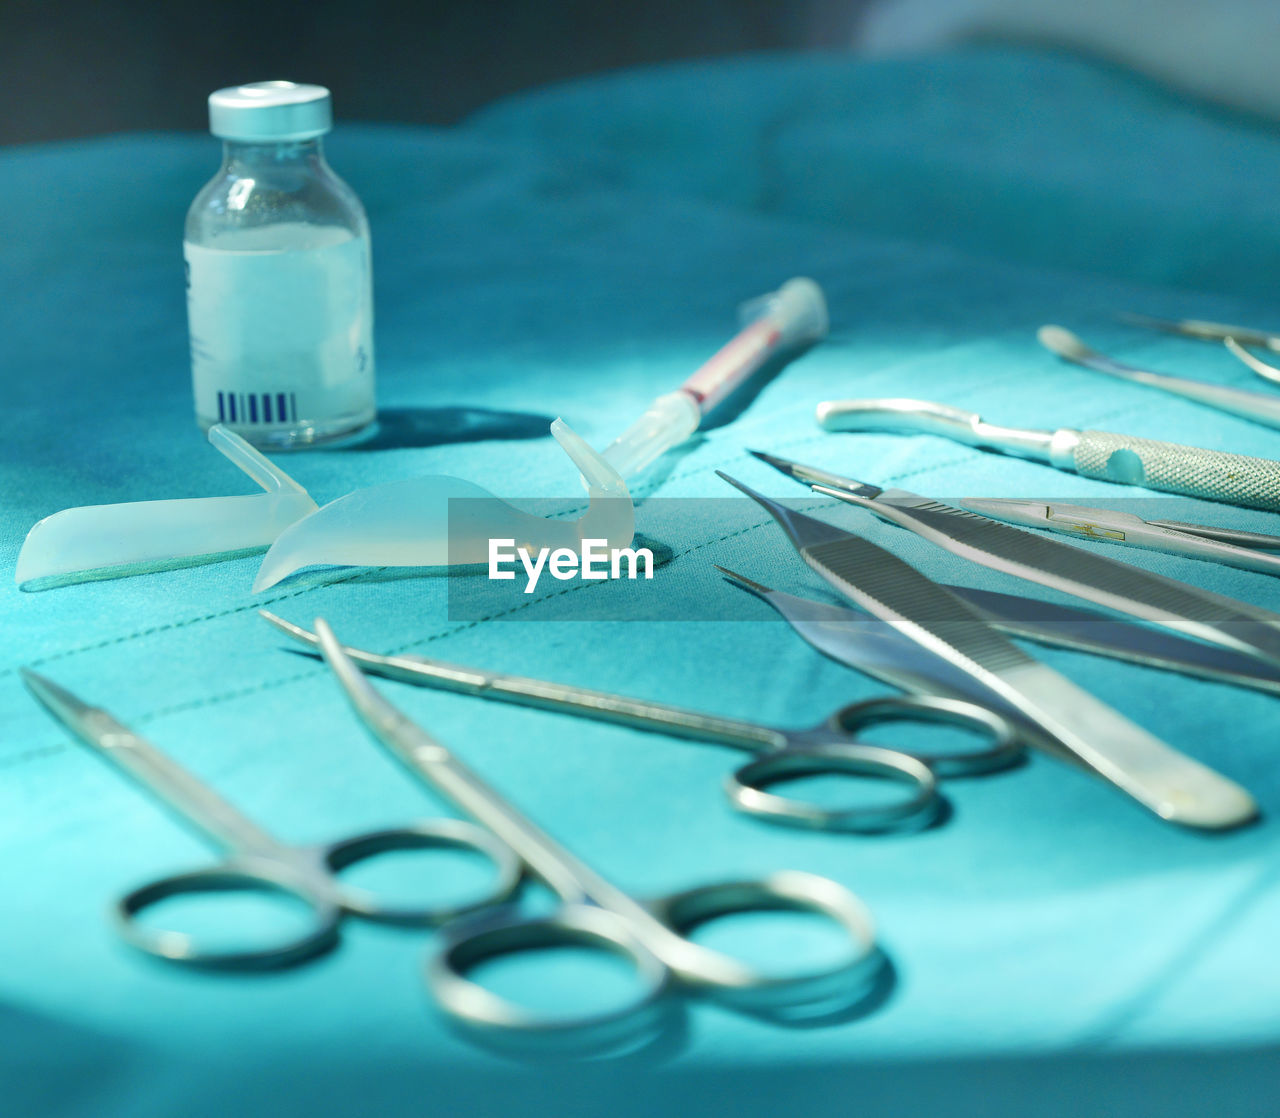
(827, 627)
(1149, 597)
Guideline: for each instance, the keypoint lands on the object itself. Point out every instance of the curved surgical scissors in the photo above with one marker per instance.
(829, 748)
(595, 913)
(258, 862)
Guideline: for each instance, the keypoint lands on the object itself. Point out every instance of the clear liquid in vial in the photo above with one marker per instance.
(281, 320)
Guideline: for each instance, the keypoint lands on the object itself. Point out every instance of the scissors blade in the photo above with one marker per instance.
(133, 754)
(426, 758)
(563, 872)
(539, 694)
(97, 728)
(1096, 578)
(1168, 783)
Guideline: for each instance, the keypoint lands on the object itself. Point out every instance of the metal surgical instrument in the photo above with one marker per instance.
(830, 748)
(1265, 371)
(650, 935)
(1060, 566)
(1114, 526)
(1168, 783)
(1234, 337)
(1213, 474)
(845, 635)
(1205, 331)
(1259, 407)
(258, 862)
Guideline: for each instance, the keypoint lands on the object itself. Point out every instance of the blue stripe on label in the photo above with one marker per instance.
(253, 409)
(266, 408)
(281, 414)
(222, 408)
(231, 400)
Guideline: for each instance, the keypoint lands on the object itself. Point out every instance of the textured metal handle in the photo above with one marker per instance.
(1213, 474)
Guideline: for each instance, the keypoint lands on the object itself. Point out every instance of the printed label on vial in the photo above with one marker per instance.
(281, 336)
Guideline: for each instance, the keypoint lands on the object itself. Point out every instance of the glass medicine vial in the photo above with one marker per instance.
(279, 277)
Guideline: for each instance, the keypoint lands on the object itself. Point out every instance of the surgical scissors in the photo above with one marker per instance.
(596, 914)
(258, 862)
(832, 747)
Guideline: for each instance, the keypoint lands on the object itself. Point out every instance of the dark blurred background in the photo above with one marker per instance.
(72, 68)
(78, 67)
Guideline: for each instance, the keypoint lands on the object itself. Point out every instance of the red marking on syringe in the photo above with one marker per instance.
(733, 363)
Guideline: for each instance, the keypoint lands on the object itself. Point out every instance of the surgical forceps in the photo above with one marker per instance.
(258, 862)
(1097, 578)
(1235, 338)
(1263, 408)
(831, 747)
(1205, 331)
(650, 935)
(1175, 537)
(1171, 785)
(854, 639)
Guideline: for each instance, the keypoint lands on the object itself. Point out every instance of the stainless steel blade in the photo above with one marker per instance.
(1168, 783)
(1173, 786)
(1074, 570)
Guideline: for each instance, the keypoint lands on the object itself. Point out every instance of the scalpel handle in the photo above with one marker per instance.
(1215, 475)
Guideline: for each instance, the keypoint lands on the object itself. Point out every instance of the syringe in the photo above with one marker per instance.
(793, 315)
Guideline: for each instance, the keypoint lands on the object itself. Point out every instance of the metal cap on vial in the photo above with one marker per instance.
(270, 111)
